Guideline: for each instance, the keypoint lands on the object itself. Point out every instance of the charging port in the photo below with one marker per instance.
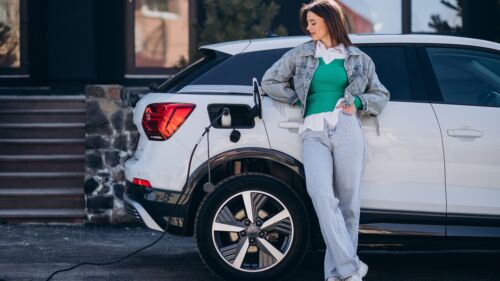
(241, 116)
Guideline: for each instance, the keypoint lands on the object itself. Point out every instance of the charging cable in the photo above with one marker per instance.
(107, 263)
(207, 186)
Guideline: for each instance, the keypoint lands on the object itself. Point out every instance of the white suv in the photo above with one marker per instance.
(432, 178)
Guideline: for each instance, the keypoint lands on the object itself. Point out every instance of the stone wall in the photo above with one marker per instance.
(111, 138)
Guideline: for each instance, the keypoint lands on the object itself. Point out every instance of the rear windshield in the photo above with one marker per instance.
(241, 68)
(209, 60)
(216, 68)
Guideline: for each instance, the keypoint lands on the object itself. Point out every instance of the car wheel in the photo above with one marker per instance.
(252, 227)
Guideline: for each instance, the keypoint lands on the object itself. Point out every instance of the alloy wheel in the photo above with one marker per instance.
(252, 231)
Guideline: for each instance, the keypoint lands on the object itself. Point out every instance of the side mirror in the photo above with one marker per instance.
(257, 99)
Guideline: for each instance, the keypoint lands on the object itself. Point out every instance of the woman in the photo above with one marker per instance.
(333, 82)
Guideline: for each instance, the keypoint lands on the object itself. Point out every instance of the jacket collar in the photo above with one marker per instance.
(309, 49)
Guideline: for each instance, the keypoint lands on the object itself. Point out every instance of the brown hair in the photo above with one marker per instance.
(331, 12)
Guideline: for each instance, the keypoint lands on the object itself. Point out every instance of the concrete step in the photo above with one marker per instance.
(42, 102)
(42, 146)
(42, 130)
(43, 215)
(41, 179)
(45, 202)
(42, 163)
(42, 116)
(42, 158)
(38, 192)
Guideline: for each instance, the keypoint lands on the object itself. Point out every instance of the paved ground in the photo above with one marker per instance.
(32, 252)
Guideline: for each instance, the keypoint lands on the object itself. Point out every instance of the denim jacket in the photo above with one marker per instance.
(289, 78)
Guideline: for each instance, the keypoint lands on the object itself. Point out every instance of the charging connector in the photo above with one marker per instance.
(226, 117)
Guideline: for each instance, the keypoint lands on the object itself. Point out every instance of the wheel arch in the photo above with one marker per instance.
(246, 160)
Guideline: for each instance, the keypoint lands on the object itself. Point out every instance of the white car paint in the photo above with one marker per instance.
(217, 89)
(405, 165)
(237, 47)
(405, 168)
(165, 163)
(471, 138)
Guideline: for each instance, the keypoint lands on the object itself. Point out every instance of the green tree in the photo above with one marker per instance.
(442, 26)
(228, 20)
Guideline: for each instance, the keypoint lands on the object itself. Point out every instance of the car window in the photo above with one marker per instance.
(467, 77)
(392, 70)
(241, 68)
(209, 60)
(390, 62)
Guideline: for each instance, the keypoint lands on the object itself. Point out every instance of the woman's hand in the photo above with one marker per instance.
(347, 109)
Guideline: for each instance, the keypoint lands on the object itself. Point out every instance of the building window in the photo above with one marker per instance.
(12, 34)
(158, 36)
(381, 16)
(437, 16)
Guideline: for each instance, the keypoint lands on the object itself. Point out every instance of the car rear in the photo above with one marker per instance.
(170, 124)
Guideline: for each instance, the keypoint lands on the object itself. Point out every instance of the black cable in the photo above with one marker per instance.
(108, 263)
(207, 130)
(208, 156)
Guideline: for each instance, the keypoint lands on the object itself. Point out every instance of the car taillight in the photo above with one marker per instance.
(141, 182)
(161, 120)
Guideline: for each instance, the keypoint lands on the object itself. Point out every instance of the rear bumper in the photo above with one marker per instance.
(155, 207)
(136, 210)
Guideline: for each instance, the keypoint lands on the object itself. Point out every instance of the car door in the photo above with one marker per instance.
(403, 185)
(466, 99)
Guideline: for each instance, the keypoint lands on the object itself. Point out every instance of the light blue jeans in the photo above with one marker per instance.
(334, 162)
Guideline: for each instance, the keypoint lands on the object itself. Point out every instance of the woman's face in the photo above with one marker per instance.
(317, 28)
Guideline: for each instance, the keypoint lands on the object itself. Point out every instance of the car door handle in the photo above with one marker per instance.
(289, 124)
(468, 133)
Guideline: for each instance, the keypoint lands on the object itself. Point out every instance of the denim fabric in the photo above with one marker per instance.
(334, 162)
(289, 78)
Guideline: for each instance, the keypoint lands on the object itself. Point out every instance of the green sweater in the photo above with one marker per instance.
(327, 87)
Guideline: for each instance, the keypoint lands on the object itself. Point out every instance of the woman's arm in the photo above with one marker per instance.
(276, 80)
(376, 95)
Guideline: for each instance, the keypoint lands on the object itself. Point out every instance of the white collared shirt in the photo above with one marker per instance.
(315, 122)
(328, 55)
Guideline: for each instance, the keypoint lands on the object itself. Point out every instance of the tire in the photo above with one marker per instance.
(263, 246)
